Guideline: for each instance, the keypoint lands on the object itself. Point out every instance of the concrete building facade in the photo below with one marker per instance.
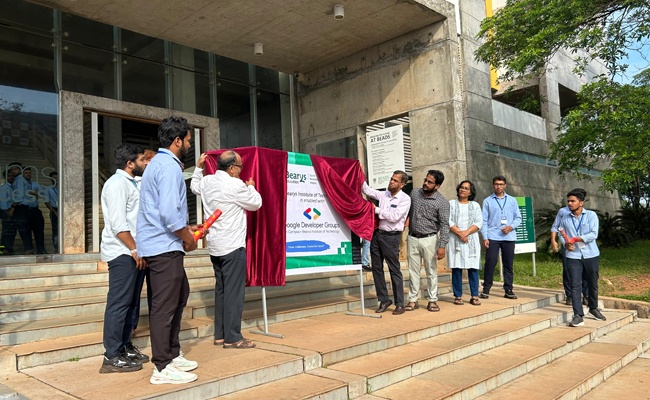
(327, 81)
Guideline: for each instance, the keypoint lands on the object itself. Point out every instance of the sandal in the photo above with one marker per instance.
(458, 301)
(218, 342)
(433, 306)
(242, 344)
(412, 305)
(475, 301)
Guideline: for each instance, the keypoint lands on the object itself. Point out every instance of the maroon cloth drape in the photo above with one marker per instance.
(266, 228)
(341, 179)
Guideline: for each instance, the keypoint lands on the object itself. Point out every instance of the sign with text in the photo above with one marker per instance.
(318, 240)
(385, 155)
(525, 242)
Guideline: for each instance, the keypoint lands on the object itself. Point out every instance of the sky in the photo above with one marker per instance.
(33, 100)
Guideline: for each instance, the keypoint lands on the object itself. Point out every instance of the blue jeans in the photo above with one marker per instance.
(457, 281)
(365, 252)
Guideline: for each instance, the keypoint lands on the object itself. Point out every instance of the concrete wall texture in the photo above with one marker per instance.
(431, 75)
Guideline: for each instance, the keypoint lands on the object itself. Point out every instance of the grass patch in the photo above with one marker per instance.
(624, 272)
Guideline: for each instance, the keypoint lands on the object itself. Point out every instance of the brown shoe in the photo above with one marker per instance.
(433, 306)
(398, 310)
(383, 306)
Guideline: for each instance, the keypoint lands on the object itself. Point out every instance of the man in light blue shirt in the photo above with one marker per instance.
(566, 279)
(163, 238)
(578, 233)
(30, 214)
(501, 217)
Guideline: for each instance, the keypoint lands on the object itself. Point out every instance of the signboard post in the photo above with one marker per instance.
(525, 242)
(385, 154)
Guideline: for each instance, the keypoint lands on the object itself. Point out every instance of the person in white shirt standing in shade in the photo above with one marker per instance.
(227, 192)
(392, 211)
(120, 204)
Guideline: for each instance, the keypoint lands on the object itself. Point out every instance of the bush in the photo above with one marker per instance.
(611, 232)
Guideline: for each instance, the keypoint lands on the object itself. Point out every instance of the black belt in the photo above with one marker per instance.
(389, 233)
(421, 235)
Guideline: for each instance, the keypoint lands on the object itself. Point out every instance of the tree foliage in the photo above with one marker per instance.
(609, 130)
(521, 38)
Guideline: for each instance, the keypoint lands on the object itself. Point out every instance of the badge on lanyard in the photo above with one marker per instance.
(504, 221)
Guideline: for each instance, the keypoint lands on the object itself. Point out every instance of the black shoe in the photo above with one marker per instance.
(585, 302)
(398, 310)
(597, 314)
(383, 306)
(119, 364)
(366, 268)
(576, 321)
(568, 301)
(484, 295)
(510, 295)
(132, 353)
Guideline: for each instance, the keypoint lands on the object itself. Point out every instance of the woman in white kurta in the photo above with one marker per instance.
(464, 247)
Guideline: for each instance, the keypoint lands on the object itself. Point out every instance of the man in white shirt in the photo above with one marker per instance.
(227, 192)
(120, 204)
(392, 211)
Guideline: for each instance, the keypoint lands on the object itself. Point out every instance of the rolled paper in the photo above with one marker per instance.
(564, 235)
(199, 233)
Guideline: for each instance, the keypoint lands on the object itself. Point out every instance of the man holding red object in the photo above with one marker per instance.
(226, 191)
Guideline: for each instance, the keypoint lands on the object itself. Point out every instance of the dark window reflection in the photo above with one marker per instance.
(234, 113)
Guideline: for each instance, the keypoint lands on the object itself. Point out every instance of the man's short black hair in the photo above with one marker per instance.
(579, 193)
(499, 178)
(125, 153)
(171, 128)
(405, 178)
(53, 173)
(226, 159)
(437, 175)
(472, 190)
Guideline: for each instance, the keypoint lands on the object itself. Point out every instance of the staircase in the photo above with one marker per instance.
(51, 320)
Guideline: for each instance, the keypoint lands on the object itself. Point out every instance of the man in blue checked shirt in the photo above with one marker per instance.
(578, 234)
(501, 217)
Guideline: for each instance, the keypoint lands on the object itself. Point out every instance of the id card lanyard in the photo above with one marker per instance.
(504, 220)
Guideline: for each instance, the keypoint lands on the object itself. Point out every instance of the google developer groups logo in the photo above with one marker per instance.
(311, 213)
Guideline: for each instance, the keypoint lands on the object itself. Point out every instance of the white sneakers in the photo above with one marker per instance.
(184, 365)
(176, 372)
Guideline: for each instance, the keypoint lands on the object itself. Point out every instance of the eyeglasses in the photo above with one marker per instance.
(463, 188)
(429, 181)
(238, 165)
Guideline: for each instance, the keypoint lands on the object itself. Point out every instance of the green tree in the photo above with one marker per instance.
(522, 37)
(609, 129)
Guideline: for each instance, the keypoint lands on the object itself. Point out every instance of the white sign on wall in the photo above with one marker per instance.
(385, 155)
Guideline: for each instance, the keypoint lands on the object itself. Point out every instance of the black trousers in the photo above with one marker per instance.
(54, 221)
(229, 287)
(138, 288)
(9, 229)
(170, 290)
(566, 278)
(491, 257)
(386, 247)
(21, 218)
(121, 303)
(579, 269)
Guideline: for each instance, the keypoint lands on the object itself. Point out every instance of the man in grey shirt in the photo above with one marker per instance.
(428, 224)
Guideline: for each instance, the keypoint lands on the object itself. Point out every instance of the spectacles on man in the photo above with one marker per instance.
(238, 165)
(430, 182)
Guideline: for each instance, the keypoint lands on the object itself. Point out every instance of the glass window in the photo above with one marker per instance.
(267, 79)
(269, 121)
(141, 46)
(232, 70)
(234, 113)
(143, 82)
(28, 133)
(27, 16)
(88, 70)
(86, 31)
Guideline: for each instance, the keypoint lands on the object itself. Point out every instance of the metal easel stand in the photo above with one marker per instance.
(266, 320)
(363, 308)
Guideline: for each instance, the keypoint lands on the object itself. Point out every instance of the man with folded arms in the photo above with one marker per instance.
(392, 211)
